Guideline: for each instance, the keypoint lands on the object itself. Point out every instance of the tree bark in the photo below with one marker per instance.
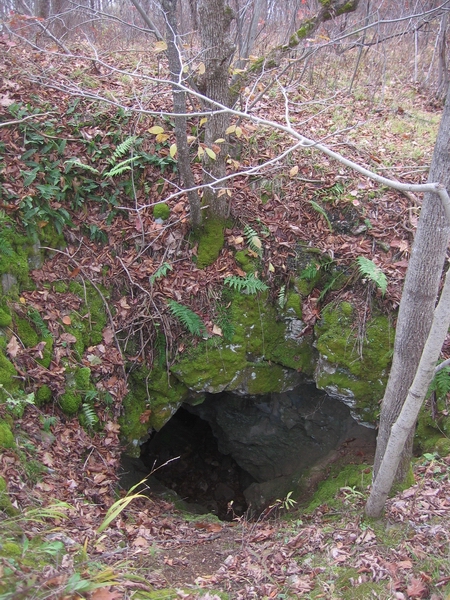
(215, 18)
(401, 428)
(179, 107)
(418, 301)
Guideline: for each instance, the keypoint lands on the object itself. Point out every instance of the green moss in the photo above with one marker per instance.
(356, 368)
(301, 33)
(5, 317)
(155, 394)
(210, 243)
(83, 378)
(7, 373)
(350, 476)
(5, 501)
(405, 484)
(43, 395)
(442, 446)
(70, 402)
(10, 549)
(26, 333)
(161, 211)
(293, 305)
(245, 261)
(6, 435)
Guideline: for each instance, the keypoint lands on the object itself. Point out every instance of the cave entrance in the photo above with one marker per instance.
(251, 450)
(201, 475)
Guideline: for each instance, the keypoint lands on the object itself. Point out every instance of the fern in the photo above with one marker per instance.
(161, 271)
(441, 383)
(89, 414)
(38, 322)
(188, 318)
(253, 240)
(282, 296)
(123, 148)
(310, 272)
(124, 165)
(249, 284)
(322, 212)
(369, 269)
(75, 162)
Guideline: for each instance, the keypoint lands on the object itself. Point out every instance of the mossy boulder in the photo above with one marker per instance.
(153, 398)
(43, 395)
(161, 211)
(260, 357)
(7, 373)
(5, 501)
(6, 435)
(5, 317)
(353, 365)
(70, 402)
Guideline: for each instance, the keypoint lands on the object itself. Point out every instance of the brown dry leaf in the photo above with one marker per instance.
(108, 336)
(417, 588)
(145, 416)
(67, 320)
(47, 459)
(140, 542)
(13, 347)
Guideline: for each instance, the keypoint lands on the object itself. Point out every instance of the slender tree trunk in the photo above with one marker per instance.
(215, 18)
(418, 299)
(179, 107)
(401, 428)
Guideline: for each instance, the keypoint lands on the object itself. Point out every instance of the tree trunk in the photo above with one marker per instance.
(418, 299)
(401, 428)
(179, 107)
(215, 18)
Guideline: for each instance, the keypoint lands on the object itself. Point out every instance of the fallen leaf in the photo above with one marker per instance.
(13, 347)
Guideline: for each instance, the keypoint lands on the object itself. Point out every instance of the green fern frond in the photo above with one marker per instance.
(322, 212)
(161, 271)
(253, 240)
(124, 165)
(76, 162)
(249, 284)
(188, 318)
(123, 148)
(38, 322)
(89, 414)
(282, 296)
(441, 383)
(369, 270)
(310, 272)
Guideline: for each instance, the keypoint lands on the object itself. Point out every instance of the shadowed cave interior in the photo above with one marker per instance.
(249, 450)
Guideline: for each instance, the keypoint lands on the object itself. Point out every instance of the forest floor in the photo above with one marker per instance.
(62, 480)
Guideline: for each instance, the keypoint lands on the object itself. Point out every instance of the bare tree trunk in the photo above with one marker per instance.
(215, 18)
(442, 49)
(418, 299)
(179, 107)
(248, 40)
(401, 428)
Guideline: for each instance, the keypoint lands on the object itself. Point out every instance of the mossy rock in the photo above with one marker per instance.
(43, 395)
(246, 262)
(442, 446)
(70, 402)
(153, 399)
(242, 363)
(5, 501)
(25, 331)
(7, 373)
(6, 436)
(5, 317)
(161, 211)
(353, 368)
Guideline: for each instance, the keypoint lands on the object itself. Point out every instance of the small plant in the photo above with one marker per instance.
(89, 415)
(48, 423)
(161, 271)
(287, 503)
(118, 506)
(322, 212)
(253, 240)
(282, 296)
(249, 284)
(369, 270)
(188, 318)
(16, 403)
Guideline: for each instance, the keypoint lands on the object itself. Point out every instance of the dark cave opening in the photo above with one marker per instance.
(202, 474)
